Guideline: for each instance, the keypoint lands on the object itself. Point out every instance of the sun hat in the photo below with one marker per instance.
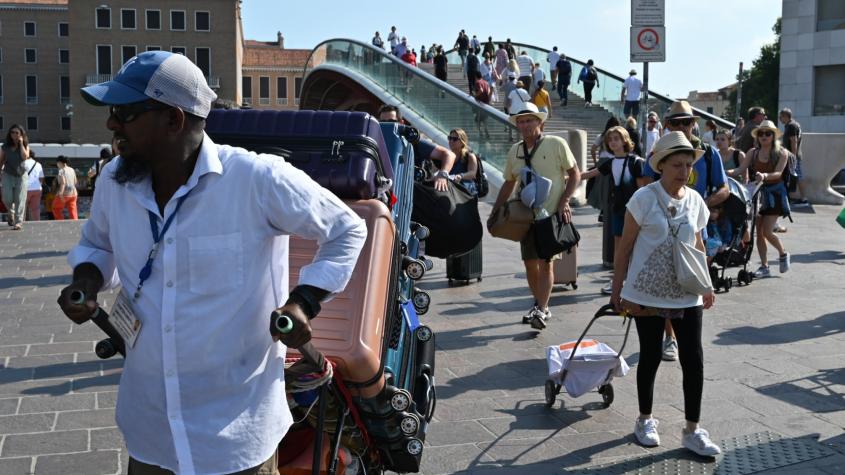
(166, 77)
(679, 110)
(670, 143)
(766, 125)
(530, 109)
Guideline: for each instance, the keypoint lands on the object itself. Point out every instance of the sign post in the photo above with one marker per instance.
(648, 44)
(739, 94)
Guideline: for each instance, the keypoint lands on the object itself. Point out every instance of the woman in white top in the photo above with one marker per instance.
(645, 285)
(65, 186)
(35, 174)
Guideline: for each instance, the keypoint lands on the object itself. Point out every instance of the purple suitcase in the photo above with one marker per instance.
(342, 151)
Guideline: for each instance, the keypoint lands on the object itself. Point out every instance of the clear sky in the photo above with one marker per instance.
(706, 39)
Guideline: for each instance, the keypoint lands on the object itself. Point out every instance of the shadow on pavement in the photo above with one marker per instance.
(818, 393)
(48, 281)
(507, 376)
(834, 257)
(789, 332)
(39, 255)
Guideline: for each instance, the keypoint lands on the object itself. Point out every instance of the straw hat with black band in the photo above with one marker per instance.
(670, 144)
(679, 110)
(530, 109)
(767, 125)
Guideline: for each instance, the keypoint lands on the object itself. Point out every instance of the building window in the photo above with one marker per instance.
(178, 50)
(153, 48)
(829, 93)
(64, 29)
(64, 89)
(264, 90)
(1, 93)
(104, 59)
(127, 52)
(177, 20)
(32, 90)
(297, 88)
(30, 56)
(203, 61)
(32, 123)
(709, 110)
(153, 19)
(103, 17)
(830, 15)
(282, 91)
(29, 28)
(127, 19)
(246, 86)
(64, 56)
(65, 123)
(202, 21)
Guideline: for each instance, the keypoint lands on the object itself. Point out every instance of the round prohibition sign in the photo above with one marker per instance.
(648, 39)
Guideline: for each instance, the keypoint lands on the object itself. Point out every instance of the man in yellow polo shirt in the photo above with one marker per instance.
(550, 158)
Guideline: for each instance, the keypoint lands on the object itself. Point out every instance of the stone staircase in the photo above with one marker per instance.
(573, 116)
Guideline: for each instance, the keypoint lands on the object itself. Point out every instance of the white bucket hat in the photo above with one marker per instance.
(670, 143)
(530, 109)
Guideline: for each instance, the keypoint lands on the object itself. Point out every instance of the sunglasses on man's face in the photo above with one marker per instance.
(677, 122)
(126, 113)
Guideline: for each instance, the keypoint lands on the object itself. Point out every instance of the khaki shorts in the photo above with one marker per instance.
(140, 468)
(528, 248)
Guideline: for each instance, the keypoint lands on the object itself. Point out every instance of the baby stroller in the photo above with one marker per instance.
(583, 365)
(740, 213)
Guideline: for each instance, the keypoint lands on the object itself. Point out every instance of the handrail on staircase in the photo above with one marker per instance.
(417, 72)
(663, 98)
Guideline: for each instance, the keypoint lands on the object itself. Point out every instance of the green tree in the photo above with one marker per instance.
(760, 83)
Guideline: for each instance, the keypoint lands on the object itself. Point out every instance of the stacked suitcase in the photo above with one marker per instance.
(371, 331)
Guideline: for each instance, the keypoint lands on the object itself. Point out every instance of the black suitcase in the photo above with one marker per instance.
(464, 267)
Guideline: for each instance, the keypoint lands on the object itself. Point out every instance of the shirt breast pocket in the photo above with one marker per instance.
(215, 263)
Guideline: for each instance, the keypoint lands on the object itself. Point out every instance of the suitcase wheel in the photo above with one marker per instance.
(421, 311)
(401, 400)
(551, 393)
(414, 267)
(424, 333)
(421, 299)
(414, 447)
(606, 392)
(409, 424)
(574, 285)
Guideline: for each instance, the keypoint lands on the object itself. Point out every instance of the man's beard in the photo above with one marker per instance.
(131, 171)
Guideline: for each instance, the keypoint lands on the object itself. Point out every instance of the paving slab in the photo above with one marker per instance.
(773, 363)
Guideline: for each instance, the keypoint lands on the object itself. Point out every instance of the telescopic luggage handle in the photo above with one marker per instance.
(284, 324)
(106, 348)
(606, 310)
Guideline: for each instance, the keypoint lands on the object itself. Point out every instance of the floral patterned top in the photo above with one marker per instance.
(651, 280)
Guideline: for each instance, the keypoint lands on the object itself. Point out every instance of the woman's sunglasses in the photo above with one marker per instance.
(765, 134)
(453, 139)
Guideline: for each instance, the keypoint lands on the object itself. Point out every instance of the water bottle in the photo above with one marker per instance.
(543, 214)
(841, 218)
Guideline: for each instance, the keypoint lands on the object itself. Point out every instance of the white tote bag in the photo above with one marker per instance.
(690, 263)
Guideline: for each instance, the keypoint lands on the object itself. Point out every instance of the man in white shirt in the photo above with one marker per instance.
(552, 58)
(526, 69)
(393, 39)
(202, 389)
(631, 89)
(33, 190)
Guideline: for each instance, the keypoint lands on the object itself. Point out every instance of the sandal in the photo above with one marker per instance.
(17, 227)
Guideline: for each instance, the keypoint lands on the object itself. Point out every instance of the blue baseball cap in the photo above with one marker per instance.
(166, 77)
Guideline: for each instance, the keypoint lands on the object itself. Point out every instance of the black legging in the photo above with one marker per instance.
(588, 91)
(688, 333)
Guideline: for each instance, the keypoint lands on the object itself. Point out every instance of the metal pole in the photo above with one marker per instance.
(739, 94)
(644, 115)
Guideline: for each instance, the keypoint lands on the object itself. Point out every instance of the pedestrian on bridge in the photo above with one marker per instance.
(377, 41)
(564, 78)
(631, 91)
(13, 154)
(501, 60)
(526, 70)
(550, 158)
(552, 58)
(590, 77)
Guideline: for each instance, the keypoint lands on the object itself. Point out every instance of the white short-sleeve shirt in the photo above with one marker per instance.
(651, 280)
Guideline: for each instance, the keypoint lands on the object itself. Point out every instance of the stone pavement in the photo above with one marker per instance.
(774, 355)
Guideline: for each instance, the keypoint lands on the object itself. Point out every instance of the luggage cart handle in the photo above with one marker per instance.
(283, 324)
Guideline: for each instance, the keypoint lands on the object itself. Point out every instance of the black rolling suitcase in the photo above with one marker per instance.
(464, 267)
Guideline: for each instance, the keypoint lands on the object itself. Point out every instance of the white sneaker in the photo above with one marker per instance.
(526, 319)
(538, 320)
(700, 443)
(761, 272)
(607, 289)
(670, 349)
(646, 432)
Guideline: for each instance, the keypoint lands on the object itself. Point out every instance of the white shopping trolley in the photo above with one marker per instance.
(583, 365)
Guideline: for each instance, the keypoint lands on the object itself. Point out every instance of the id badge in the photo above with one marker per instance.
(124, 320)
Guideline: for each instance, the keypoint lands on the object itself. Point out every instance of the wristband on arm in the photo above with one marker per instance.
(308, 298)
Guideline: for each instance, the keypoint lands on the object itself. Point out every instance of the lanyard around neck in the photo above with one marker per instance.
(157, 236)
